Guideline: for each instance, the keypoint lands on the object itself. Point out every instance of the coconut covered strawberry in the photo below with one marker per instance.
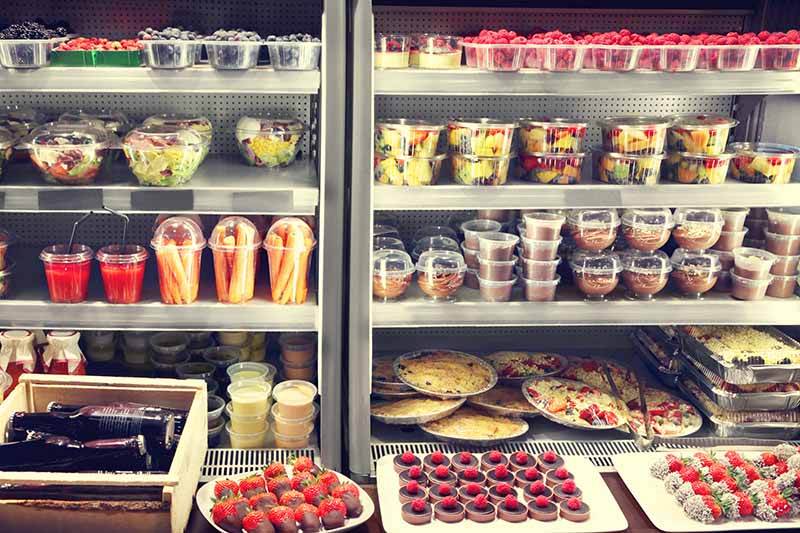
(702, 508)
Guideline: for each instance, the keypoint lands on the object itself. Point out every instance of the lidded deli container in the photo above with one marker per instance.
(178, 243)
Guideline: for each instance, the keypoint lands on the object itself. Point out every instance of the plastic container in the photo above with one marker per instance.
(555, 169)
(438, 52)
(234, 243)
(628, 169)
(596, 274)
(489, 270)
(293, 55)
(392, 273)
(779, 57)
(426, 244)
(634, 135)
(699, 134)
(534, 270)
(6, 281)
(540, 250)
(26, 53)
(470, 257)
(593, 229)
(391, 51)
(246, 441)
(782, 286)
(730, 240)
(440, 273)
(496, 291)
(736, 57)
(407, 137)
(724, 282)
(290, 443)
(166, 364)
(784, 220)
(694, 272)
(472, 230)
(749, 289)
(471, 279)
(647, 229)
(614, 58)
(484, 137)
(215, 407)
(249, 397)
(270, 142)
(500, 57)
(496, 246)
(289, 244)
(697, 168)
(233, 55)
(123, 272)
(204, 371)
(387, 243)
(554, 57)
(222, 357)
(763, 162)
(785, 265)
(697, 228)
(293, 427)
(555, 135)
(480, 170)
(645, 274)
(250, 372)
(170, 54)
(305, 372)
(233, 338)
(782, 244)
(247, 424)
(543, 226)
(668, 58)
(169, 343)
(178, 243)
(67, 273)
(69, 153)
(164, 156)
(734, 218)
(295, 398)
(540, 290)
(471, 55)
(198, 123)
(384, 230)
(115, 122)
(7, 142)
(408, 171)
(298, 348)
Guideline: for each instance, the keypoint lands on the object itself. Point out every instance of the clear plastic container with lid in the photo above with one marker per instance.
(782, 244)
(543, 226)
(540, 290)
(496, 246)
(298, 348)
(492, 270)
(642, 135)
(596, 273)
(7, 142)
(235, 243)
(408, 171)
(627, 169)
(552, 169)
(232, 55)
(67, 272)
(593, 229)
(433, 243)
(440, 273)
(116, 122)
(289, 244)
(730, 240)
(536, 270)
(645, 273)
(647, 229)
(752, 263)
(743, 288)
(385, 230)
(407, 137)
(784, 220)
(267, 141)
(734, 218)
(200, 124)
(763, 162)
(556, 135)
(170, 54)
(434, 231)
(540, 250)
(484, 137)
(438, 52)
(496, 291)
(388, 243)
(69, 153)
(690, 168)
(473, 228)
(697, 228)
(694, 272)
(699, 133)
(122, 269)
(782, 286)
(164, 155)
(786, 265)
(178, 243)
(392, 272)
(391, 51)
(295, 399)
(480, 170)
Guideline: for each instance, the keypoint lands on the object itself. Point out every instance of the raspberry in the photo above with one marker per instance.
(569, 486)
(449, 503)
(574, 504)
(537, 487)
(480, 502)
(495, 456)
(501, 472)
(471, 473)
(465, 458)
(444, 490)
(418, 505)
(412, 487)
(473, 489)
(511, 503)
(407, 458)
(414, 472)
(549, 456)
(437, 458)
(531, 474)
(521, 457)
(503, 489)
(562, 473)
(441, 472)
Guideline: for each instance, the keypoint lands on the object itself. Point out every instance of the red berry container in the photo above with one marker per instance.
(736, 58)
(668, 58)
(67, 273)
(614, 58)
(122, 270)
(555, 57)
(779, 57)
(500, 57)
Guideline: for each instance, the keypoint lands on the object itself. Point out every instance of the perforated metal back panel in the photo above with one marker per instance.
(42, 229)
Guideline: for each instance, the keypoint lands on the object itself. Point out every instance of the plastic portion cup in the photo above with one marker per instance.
(67, 273)
(289, 244)
(752, 263)
(749, 289)
(782, 244)
(246, 441)
(235, 243)
(178, 243)
(539, 270)
(293, 427)
(473, 228)
(734, 218)
(247, 424)
(782, 286)
(496, 291)
(785, 265)
(251, 372)
(295, 398)
(288, 443)
(222, 357)
(540, 250)
(496, 246)
(540, 290)
(298, 348)
(470, 256)
(540, 226)
(204, 371)
(730, 240)
(784, 220)
(250, 397)
(122, 270)
(496, 270)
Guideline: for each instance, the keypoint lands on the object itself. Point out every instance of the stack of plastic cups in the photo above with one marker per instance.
(236, 339)
(167, 351)
(541, 236)
(298, 356)
(258, 346)
(551, 150)
(596, 272)
(470, 246)
(783, 240)
(294, 413)
(751, 276)
(248, 409)
(496, 262)
(732, 236)
(696, 149)
(695, 267)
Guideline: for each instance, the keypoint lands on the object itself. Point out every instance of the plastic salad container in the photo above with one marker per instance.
(198, 123)
(685, 167)
(593, 229)
(697, 228)
(178, 243)
(289, 244)
(122, 270)
(596, 274)
(647, 229)
(232, 55)
(407, 137)
(641, 135)
(480, 136)
(26, 53)
(436, 242)
(234, 243)
(392, 271)
(699, 134)
(164, 156)
(67, 273)
(391, 51)
(480, 170)
(694, 272)
(668, 58)
(115, 122)
(294, 55)
(763, 162)
(408, 171)
(500, 57)
(438, 52)
(170, 54)
(69, 153)
(7, 142)
(616, 58)
(645, 274)
(554, 169)
(552, 135)
(269, 142)
(440, 273)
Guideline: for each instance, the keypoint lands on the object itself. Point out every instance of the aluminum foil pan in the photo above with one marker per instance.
(419, 418)
(473, 360)
(565, 421)
(667, 377)
(383, 375)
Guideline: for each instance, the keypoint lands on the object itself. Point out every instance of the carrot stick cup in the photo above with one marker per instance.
(178, 243)
(289, 244)
(235, 244)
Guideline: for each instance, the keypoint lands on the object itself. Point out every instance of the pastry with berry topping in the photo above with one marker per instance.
(411, 492)
(498, 492)
(500, 474)
(417, 512)
(559, 475)
(525, 477)
(405, 460)
(469, 492)
(492, 459)
(535, 489)
(574, 510)
(442, 475)
(449, 510)
(414, 473)
(542, 509)
(432, 460)
(480, 510)
(510, 510)
(462, 461)
(438, 493)
(549, 460)
(566, 490)
(520, 461)
(471, 475)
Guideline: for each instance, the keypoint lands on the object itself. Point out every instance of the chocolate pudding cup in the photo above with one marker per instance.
(473, 228)
(540, 290)
(782, 286)
(784, 220)
(539, 270)
(543, 226)
(752, 263)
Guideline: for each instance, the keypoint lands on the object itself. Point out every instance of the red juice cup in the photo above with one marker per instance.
(67, 273)
(122, 269)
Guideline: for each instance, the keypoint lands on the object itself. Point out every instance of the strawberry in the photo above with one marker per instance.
(328, 480)
(349, 488)
(279, 485)
(701, 487)
(225, 489)
(222, 510)
(280, 514)
(689, 473)
(781, 467)
(302, 464)
(712, 505)
(675, 465)
(717, 472)
(734, 458)
(307, 516)
(274, 470)
(731, 483)
(292, 498)
(704, 458)
(314, 493)
(332, 512)
(751, 471)
(301, 480)
(253, 519)
(250, 486)
(263, 501)
(745, 503)
(779, 505)
(242, 506)
(769, 458)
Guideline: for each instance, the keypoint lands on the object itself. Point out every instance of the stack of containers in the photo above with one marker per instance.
(249, 391)
(695, 270)
(470, 247)
(551, 150)
(646, 269)
(406, 152)
(751, 276)
(596, 272)
(480, 150)
(298, 355)
(293, 413)
(731, 237)
(696, 149)
(633, 148)
(540, 233)
(496, 261)
(783, 240)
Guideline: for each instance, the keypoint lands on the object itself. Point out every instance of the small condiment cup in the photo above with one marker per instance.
(298, 348)
(540, 250)
(782, 244)
(496, 291)
(785, 265)
(752, 263)
(244, 423)
(251, 371)
(734, 218)
(249, 397)
(496, 270)
(540, 290)
(295, 398)
(293, 427)
(729, 240)
(246, 441)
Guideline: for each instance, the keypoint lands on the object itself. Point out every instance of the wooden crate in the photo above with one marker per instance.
(151, 503)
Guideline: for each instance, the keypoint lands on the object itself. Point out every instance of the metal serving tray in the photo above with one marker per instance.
(669, 378)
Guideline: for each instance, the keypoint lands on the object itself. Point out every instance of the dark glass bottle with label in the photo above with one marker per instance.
(49, 453)
(179, 414)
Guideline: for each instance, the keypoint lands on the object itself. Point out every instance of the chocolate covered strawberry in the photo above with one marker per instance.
(304, 464)
(274, 470)
(225, 488)
(349, 494)
(314, 493)
(279, 485)
(257, 522)
(292, 499)
(282, 519)
(301, 479)
(250, 486)
(329, 479)
(332, 511)
(242, 506)
(306, 515)
(224, 515)
(263, 501)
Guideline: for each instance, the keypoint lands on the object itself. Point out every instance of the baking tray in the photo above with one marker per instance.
(419, 419)
(567, 423)
(743, 374)
(667, 377)
(520, 380)
(474, 358)
(478, 443)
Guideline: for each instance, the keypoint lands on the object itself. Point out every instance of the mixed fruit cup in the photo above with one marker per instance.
(696, 168)
(483, 137)
(627, 169)
(407, 137)
(407, 171)
(638, 135)
(699, 134)
(552, 168)
(763, 162)
(551, 135)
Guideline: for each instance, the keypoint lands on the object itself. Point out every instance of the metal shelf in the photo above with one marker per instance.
(520, 194)
(221, 185)
(571, 310)
(199, 79)
(467, 81)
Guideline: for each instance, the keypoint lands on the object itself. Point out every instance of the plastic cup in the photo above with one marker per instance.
(251, 371)
(496, 246)
(496, 270)
(540, 250)
(222, 357)
(295, 398)
(784, 221)
(782, 244)
(169, 343)
(540, 226)
(734, 218)
(215, 407)
(204, 371)
(730, 240)
(67, 273)
(496, 291)
(166, 365)
(744, 288)
(288, 442)
(298, 349)
(782, 286)
(540, 290)
(304, 371)
(122, 270)
(246, 424)
(215, 432)
(293, 427)
(289, 244)
(470, 256)
(752, 263)
(178, 243)
(473, 228)
(246, 441)
(539, 270)
(785, 265)
(235, 243)
(249, 398)
(233, 338)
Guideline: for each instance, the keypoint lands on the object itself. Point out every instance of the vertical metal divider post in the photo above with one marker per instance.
(331, 214)
(360, 290)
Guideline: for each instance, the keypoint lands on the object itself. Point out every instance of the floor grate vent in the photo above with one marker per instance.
(225, 462)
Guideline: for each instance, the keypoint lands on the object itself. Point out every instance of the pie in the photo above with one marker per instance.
(745, 345)
(445, 372)
(575, 403)
(511, 365)
(669, 415)
(413, 407)
(504, 397)
(469, 423)
(383, 370)
(590, 371)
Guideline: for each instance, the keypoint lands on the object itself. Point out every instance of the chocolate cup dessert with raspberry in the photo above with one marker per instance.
(463, 479)
(520, 514)
(547, 513)
(581, 514)
(496, 495)
(400, 465)
(559, 495)
(523, 478)
(458, 465)
(435, 494)
(515, 465)
(532, 491)
(414, 517)
(480, 516)
(487, 463)
(428, 465)
(493, 477)
(551, 479)
(449, 516)
(545, 465)
(422, 479)
(448, 479)
(407, 496)
(465, 497)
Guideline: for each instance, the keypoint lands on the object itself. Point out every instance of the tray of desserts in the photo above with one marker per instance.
(575, 404)
(474, 427)
(590, 370)
(517, 492)
(445, 373)
(412, 411)
(514, 367)
(504, 400)
(658, 356)
(743, 355)
(729, 490)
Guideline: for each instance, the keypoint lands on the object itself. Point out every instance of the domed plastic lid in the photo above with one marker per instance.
(683, 259)
(115, 253)
(114, 121)
(594, 218)
(436, 242)
(693, 121)
(409, 123)
(434, 231)
(646, 262)
(388, 243)
(293, 232)
(561, 122)
(6, 138)
(596, 262)
(384, 230)
(755, 149)
(198, 123)
(234, 232)
(482, 122)
(441, 261)
(650, 217)
(7, 238)
(391, 262)
(698, 215)
(270, 124)
(635, 121)
(155, 137)
(20, 120)
(80, 134)
(182, 232)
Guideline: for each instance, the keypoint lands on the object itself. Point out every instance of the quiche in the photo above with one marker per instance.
(445, 373)
(511, 365)
(383, 371)
(504, 400)
(669, 415)
(413, 410)
(574, 404)
(590, 371)
(471, 424)
(746, 345)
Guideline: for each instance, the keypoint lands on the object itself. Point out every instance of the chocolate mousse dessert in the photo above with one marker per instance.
(549, 460)
(500, 474)
(542, 509)
(405, 461)
(574, 510)
(499, 492)
(449, 510)
(559, 475)
(442, 475)
(492, 459)
(469, 492)
(521, 461)
(438, 493)
(471, 475)
(480, 510)
(523, 478)
(535, 489)
(511, 510)
(566, 490)
(464, 460)
(432, 460)
(411, 492)
(414, 473)
(417, 512)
